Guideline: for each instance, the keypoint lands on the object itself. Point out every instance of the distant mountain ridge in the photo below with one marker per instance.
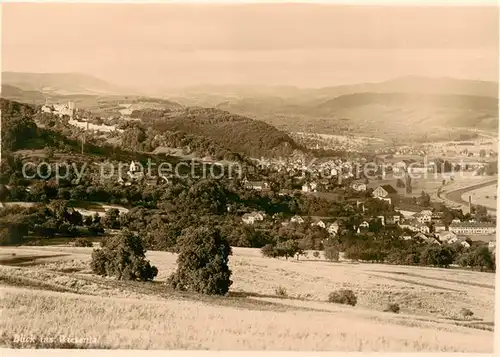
(62, 83)
(216, 94)
(409, 105)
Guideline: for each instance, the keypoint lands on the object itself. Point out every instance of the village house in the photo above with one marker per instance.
(458, 240)
(256, 185)
(392, 219)
(333, 228)
(426, 239)
(310, 187)
(423, 216)
(446, 236)
(385, 192)
(423, 228)
(297, 219)
(358, 186)
(436, 216)
(251, 218)
(60, 109)
(465, 244)
(319, 223)
(472, 228)
(364, 224)
(439, 226)
(414, 226)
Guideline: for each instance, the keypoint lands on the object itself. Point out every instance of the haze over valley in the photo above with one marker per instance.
(249, 177)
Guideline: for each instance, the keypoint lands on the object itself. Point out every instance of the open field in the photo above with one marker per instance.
(457, 193)
(48, 292)
(484, 196)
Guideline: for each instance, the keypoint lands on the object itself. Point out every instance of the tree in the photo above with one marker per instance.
(123, 256)
(49, 152)
(289, 248)
(480, 213)
(10, 236)
(202, 264)
(425, 199)
(269, 250)
(440, 256)
(4, 192)
(110, 219)
(480, 258)
(332, 251)
(87, 221)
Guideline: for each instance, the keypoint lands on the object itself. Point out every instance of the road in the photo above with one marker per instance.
(456, 195)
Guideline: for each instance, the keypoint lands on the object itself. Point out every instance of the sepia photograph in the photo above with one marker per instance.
(249, 176)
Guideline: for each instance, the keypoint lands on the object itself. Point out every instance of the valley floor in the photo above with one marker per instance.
(48, 292)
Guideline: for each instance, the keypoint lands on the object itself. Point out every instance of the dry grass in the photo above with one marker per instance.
(70, 301)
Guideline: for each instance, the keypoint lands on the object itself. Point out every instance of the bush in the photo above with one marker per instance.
(479, 257)
(392, 307)
(269, 251)
(440, 256)
(83, 242)
(123, 256)
(281, 291)
(316, 254)
(466, 313)
(332, 253)
(9, 236)
(202, 262)
(343, 296)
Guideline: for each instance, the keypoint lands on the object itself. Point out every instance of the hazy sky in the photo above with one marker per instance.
(167, 45)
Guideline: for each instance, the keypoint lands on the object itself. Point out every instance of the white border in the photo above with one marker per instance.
(175, 353)
(332, 2)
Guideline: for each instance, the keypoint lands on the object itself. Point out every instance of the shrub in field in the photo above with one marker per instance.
(287, 249)
(281, 291)
(123, 256)
(466, 313)
(392, 307)
(316, 254)
(332, 253)
(202, 264)
(343, 296)
(83, 242)
(269, 251)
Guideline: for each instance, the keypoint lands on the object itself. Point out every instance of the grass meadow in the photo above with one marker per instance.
(50, 298)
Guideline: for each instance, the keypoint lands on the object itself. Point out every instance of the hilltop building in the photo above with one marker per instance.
(60, 109)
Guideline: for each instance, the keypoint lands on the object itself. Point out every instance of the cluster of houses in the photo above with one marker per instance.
(418, 223)
(325, 169)
(60, 109)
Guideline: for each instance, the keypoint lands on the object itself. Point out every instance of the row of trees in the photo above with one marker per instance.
(19, 224)
(202, 263)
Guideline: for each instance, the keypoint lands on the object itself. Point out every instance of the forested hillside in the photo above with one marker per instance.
(237, 133)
